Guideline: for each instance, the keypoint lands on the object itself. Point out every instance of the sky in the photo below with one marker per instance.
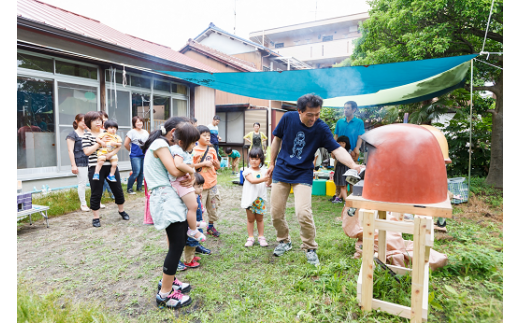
(173, 22)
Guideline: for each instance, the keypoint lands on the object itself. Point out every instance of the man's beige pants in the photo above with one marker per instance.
(302, 201)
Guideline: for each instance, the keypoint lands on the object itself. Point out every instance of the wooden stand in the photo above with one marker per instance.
(372, 215)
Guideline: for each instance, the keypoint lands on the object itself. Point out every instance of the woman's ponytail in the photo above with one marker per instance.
(170, 124)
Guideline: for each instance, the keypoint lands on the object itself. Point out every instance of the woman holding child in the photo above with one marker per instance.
(167, 208)
(91, 146)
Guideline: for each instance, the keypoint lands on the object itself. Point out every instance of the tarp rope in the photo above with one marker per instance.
(487, 27)
(470, 128)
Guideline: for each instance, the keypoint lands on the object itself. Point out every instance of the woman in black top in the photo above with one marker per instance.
(78, 159)
(94, 121)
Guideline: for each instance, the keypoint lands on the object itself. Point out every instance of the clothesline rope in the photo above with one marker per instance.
(487, 27)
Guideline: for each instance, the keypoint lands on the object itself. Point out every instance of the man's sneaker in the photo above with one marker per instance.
(213, 232)
(281, 248)
(174, 300)
(111, 178)
(202, 250)
(95, 177)
(192, 264)
(130, 191)
(177, 285)
(181, 267)
(312, 257)
(96, 223)
(196, 258)
(332, 199)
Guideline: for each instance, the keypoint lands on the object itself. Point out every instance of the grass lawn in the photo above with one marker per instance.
(239, 284)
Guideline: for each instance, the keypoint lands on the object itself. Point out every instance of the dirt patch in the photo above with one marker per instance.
(118, 264)
(478, 210)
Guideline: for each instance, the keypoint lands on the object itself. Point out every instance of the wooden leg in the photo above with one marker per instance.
(367, 268)
(381, 240)
(419, 253)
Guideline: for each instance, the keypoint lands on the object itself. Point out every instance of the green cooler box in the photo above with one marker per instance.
(319, 187)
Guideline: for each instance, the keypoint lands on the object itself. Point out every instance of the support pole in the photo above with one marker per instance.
(470, 128)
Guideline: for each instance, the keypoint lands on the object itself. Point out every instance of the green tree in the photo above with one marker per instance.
(405, 30)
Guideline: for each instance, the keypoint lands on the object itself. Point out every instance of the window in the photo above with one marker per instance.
(138, 81)
(36, 138)
(353, 29)
(141, 107)
(34, 62)
(118, 109)
(235, 127)
(278, 45)
(161, 86)
(180, 108)
(327, 38)
(74, 69)
(161, 110)
(181, 89)
(72, 100)
(265, 68)
(231, 127)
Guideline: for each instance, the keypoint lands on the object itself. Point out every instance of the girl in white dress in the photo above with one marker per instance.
(254, 195)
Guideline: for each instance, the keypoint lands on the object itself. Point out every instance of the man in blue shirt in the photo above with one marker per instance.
(351, 127)
(299, 133)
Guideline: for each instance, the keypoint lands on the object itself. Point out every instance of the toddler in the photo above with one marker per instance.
(254, 195)
(190, 260)
(185, 138)
(107, 147)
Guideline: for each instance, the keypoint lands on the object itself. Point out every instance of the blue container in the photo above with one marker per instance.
(241, 178)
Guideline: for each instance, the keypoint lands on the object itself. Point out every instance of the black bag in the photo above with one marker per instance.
(202, 159)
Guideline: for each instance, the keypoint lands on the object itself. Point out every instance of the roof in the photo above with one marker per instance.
(235, 62)
(247, 41)
(47, 14)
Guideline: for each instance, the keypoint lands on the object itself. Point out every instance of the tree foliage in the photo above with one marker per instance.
(405, 30)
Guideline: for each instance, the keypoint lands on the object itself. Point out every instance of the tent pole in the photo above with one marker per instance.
(470, 128)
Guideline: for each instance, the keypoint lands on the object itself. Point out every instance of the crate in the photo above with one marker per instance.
(24, 202)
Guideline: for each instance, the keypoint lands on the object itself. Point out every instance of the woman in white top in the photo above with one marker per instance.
(135, 138)
(78, 159)
(167, 210)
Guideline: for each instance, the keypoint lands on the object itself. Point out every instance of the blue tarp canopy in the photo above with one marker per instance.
(372, 85)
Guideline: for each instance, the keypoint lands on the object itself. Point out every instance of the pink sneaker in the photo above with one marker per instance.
(250, 242)
(262, 241)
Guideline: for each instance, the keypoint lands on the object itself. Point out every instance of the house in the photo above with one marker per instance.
(319, 43)
(238, 113)
(230, 53)
(69, 64)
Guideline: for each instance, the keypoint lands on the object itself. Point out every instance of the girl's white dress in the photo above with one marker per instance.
(251, 192)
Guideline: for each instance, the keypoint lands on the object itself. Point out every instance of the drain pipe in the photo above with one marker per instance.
(269, 108)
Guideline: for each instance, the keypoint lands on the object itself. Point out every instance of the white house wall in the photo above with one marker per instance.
(226, 45)
(204, 104)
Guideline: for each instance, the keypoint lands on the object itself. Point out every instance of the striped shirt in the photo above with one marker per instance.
(89, 140)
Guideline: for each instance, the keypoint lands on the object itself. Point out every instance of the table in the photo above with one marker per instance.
(35, 209)
(372, 215)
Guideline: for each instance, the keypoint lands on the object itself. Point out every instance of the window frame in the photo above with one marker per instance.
(28, 173)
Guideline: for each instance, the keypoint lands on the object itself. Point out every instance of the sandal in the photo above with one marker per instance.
(262, 241)
(193, 233)
(250, 242)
